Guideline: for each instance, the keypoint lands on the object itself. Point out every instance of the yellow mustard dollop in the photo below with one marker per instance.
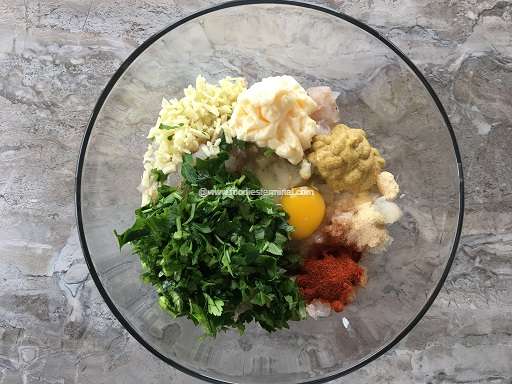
(346, 160)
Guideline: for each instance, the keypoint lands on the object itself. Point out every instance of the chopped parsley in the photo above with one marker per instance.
(268, 152)
(220, 259)
(158, 175)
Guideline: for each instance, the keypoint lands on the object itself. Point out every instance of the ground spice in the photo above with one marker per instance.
(331, 275)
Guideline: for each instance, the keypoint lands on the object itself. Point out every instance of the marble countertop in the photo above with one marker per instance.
(55, 58)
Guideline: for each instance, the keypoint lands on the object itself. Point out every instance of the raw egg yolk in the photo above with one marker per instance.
(306, 209)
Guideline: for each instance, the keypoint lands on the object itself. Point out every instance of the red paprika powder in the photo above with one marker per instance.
(331, 275)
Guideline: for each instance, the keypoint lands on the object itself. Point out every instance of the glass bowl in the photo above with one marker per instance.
(380, 90)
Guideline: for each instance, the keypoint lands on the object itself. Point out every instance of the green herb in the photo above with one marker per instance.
(268, 152)
(218, 260)
(158, 175)
(168, 127)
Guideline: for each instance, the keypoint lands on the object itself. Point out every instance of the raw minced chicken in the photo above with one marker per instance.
(305, 169)
(326, 114)
(274, 172)
(318, 308)
(186, 125)
(389, 210)
(387, 185)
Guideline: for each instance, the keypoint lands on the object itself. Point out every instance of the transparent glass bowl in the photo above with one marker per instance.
(381, 91)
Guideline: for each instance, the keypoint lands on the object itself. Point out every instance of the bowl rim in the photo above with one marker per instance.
(230, 4)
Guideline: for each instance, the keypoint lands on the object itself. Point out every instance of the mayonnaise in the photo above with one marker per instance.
(274, 113)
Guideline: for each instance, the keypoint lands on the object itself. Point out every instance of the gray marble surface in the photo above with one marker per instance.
(55, 58)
